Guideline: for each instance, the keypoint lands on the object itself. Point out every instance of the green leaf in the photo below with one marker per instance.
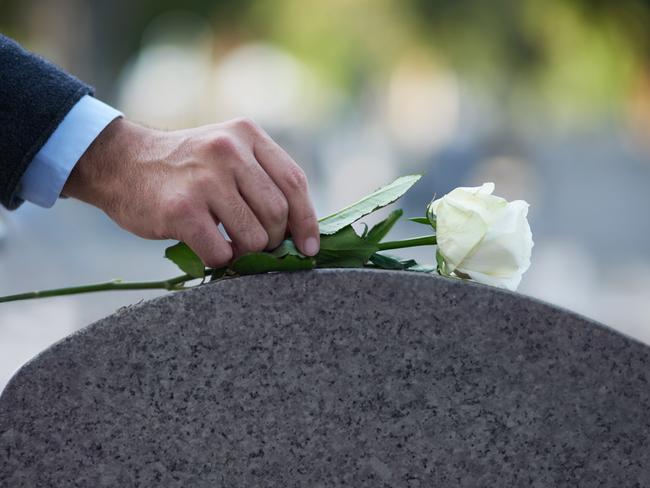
(186, 259)
(379, 231)
(376, 200)
(263, 262)
(344, 249)
(365, 230)
(420, 220)
(344, 239)
(386, 261)
(287, 247)
(424, 221)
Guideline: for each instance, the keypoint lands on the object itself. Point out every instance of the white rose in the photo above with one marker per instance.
(483, 236)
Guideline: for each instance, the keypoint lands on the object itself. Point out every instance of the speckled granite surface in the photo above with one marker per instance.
(332, 378)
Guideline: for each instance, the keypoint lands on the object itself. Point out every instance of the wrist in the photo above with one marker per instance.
(103, 168)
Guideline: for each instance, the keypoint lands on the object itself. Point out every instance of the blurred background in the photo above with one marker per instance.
(548, 99)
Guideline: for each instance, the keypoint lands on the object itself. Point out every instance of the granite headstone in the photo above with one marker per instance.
(354, 378)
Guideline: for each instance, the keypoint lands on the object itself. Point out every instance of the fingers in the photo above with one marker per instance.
(291, 180)
(253, 187)
(243, 227)
(266, 201)
(202, 235)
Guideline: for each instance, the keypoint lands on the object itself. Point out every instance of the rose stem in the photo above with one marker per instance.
(173, 283)
(416, 241)
(170, 284)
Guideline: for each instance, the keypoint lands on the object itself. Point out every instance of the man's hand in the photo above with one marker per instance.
(181, 185)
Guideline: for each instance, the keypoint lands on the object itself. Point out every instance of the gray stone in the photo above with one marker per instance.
(351, 378)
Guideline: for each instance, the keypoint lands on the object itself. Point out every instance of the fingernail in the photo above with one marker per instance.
(311, 246)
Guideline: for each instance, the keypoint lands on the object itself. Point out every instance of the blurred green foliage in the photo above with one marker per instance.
(579, 53)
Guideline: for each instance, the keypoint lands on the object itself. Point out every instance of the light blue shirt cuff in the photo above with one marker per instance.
(45, 176)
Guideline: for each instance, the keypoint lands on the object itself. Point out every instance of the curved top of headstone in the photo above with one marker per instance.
(352, 378)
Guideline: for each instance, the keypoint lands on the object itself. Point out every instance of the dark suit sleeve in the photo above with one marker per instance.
(35, 96)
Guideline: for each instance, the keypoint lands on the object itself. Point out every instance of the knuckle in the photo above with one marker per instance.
(249, 234)
(254, 240)
(279, 210)
(296, 179)
(239, 211)
(248, 125)
(222, 145)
